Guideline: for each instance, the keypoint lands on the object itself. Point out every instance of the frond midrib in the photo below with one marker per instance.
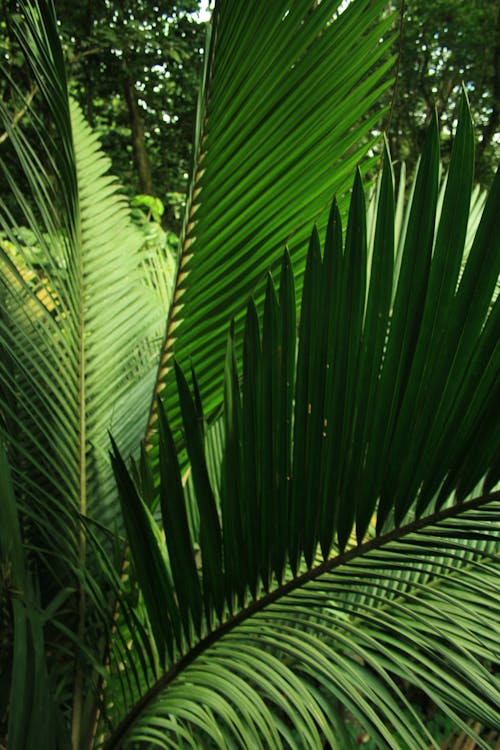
(285, 589)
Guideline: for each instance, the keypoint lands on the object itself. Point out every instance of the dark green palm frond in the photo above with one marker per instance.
(286, 112)
(298, 624)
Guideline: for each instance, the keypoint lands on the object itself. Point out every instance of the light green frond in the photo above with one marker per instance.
(120, 324)
(80, 328)
(78, 349)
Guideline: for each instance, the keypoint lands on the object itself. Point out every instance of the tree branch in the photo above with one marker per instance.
(19, 115)
(494, 119)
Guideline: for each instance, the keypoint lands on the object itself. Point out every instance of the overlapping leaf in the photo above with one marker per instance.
(79, 329)
(286, 114)
(397, 350)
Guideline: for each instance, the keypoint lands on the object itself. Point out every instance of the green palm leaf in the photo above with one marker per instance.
(343, 646)
(280, 129)
(80, 326)
(77, 359)
(306, 630)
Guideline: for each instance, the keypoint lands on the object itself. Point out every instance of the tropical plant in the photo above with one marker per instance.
(334, 545)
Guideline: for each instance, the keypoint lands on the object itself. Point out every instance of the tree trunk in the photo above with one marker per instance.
(138, 143)
(494, 120)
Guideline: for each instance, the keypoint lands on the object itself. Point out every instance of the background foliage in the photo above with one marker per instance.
(447, 43)
(134, 68)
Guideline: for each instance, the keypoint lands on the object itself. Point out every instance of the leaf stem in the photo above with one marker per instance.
(76, 724)
(283, 590)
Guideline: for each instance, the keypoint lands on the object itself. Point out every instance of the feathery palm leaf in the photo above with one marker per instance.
(78, 357)
(280, 128)
(77, 362)
(294, 627)
(341, 647)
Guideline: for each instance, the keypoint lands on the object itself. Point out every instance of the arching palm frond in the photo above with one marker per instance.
(304, 620)
(79, 333)
(286, 111)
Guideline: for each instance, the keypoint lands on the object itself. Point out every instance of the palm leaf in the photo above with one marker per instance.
(307, 629)
(78, 350)
(353, 633)
(79, 361)
(282, 121)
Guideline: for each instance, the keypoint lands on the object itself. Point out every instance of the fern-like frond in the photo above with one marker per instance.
(80, 328)
(286, 110)
(294, 629)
